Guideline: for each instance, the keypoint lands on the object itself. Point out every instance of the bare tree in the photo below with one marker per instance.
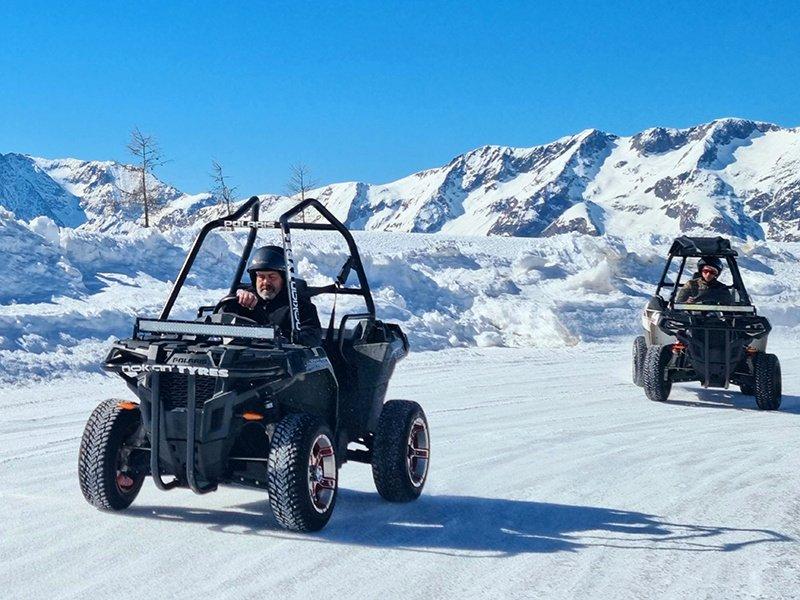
(146, 151)
(222, 191)
(301, 182)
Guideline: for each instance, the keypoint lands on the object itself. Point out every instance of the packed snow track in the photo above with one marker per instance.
(551, 476)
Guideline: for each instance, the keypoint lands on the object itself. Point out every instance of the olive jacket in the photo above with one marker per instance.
(697, 291)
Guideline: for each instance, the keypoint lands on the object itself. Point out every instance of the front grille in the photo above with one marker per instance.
(174, 389)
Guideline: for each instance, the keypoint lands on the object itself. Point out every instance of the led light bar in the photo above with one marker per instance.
(212, 329)
(715, 308)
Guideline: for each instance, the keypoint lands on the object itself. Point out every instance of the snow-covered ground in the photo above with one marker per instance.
(552, 477)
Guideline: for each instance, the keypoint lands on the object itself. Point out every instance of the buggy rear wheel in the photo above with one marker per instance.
(302, 477)
(106, 480)
(401, 451)
(767, 370)
(748, 389)
(655, 375)
(639, 351)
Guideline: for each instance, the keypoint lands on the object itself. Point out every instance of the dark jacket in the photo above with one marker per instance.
(697, 291)
(276, 312)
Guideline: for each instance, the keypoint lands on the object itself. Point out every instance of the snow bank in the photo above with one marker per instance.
(34, 269)
(64, 292)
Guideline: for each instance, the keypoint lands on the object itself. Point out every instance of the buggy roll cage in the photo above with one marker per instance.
(694, 325)
(164, 325)
(686, 247)
(234, 220)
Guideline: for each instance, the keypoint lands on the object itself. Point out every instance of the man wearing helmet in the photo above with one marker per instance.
(705, 288)
(267, 300)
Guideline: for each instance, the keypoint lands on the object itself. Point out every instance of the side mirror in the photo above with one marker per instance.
(341, 278)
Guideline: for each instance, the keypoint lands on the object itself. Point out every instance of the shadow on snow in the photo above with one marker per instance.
(471, 526)
(721, 398)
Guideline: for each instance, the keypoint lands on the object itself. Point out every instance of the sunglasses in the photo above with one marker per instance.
(710, 270)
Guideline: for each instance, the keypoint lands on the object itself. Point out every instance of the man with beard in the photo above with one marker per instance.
(267, 300)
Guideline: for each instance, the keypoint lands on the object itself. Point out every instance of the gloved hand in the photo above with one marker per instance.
(246, 298)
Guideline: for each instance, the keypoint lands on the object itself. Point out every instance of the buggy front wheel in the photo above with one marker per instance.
(639, 351)
(401, 451)
(107, 480)
(767, 370)
(302, 476)
(655, 373)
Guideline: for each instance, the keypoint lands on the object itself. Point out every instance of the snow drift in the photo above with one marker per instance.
(66, 291)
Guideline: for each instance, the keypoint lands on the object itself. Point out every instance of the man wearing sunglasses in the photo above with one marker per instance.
(705, 287)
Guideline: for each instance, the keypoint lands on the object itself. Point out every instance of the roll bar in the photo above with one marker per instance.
(233, 220)
(251, 205)
(729, 257)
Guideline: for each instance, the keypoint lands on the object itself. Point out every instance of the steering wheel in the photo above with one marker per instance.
(229, 307)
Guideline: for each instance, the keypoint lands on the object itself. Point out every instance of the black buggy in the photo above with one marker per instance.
(711, 343)
(224, 400)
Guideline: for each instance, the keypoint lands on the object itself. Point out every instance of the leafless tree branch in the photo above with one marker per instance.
(301, 182)
(222, 191)
(147, 154)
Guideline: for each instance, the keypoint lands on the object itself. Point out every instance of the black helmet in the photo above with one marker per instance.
(710, 261)
(267, 258)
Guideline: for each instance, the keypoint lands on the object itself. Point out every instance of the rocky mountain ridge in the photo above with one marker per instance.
(731, 177)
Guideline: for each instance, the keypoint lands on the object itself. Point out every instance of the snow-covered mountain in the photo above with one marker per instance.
(731, 177)
(28, 191)
(102, 186)
(90, 194)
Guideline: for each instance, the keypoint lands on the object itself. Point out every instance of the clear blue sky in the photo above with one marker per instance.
(373, 91)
